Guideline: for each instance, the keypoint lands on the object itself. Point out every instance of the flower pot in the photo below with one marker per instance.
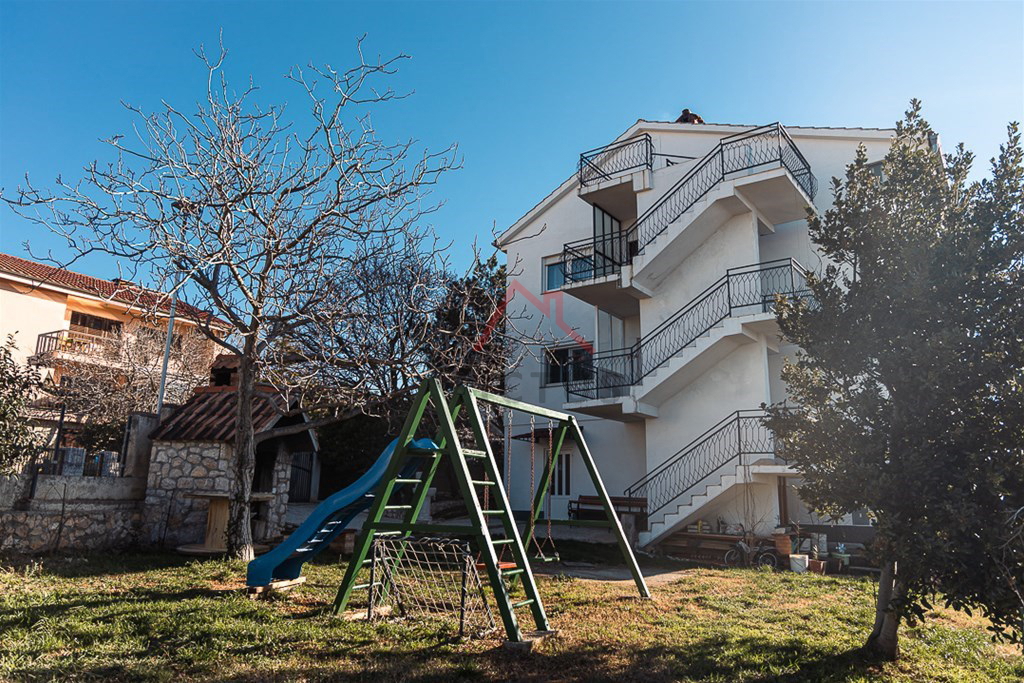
(798, 563)
(816, 566)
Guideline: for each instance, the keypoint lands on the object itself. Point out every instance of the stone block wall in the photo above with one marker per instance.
(177, 468)
(78, 527)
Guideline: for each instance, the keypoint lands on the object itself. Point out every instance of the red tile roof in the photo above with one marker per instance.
(123, 292)
(210, 416)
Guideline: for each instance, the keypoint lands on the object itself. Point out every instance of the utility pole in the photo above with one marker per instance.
(167, 353)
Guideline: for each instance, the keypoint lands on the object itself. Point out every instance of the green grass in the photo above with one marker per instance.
(158, 617)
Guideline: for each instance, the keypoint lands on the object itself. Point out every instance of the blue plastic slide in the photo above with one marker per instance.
(325, 522)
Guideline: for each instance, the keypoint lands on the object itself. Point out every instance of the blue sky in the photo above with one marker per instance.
(521, 87)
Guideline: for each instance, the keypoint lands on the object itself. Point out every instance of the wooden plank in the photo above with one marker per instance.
(276, 586)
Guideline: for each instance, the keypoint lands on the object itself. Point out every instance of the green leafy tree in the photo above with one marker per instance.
(20, 385)
(909, 388)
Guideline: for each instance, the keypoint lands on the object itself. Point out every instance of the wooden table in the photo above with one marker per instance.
(217, 514)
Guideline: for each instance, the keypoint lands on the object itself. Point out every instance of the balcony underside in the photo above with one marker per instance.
(608, 294)
(771, 195)
(617, 196)
(618, 408)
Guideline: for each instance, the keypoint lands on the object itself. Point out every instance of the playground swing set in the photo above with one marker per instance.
(410, 464)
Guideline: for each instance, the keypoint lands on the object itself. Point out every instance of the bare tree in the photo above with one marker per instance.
(302, 233)
(120, 373)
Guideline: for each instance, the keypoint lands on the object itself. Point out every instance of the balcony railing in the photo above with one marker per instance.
(757, 149)
(742, 433)
(748, 289)
(604, 163)
(77, 343)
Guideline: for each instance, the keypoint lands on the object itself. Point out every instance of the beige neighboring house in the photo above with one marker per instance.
(65, 322)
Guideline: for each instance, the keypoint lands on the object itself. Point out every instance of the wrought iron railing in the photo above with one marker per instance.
(678, 479)
(604, 163)
(78, 343)
(744, 290)
(753, 150)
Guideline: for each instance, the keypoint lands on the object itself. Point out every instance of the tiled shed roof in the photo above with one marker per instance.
(210, 416)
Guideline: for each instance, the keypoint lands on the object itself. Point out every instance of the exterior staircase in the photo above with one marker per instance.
(735, 160)
(699, 330)
(703, 470)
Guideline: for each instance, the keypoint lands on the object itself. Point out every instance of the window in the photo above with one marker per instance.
(566, 364)
(560, 480)
(83, 322)
(554, 275)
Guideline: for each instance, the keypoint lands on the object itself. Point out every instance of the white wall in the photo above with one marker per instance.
(748, 376)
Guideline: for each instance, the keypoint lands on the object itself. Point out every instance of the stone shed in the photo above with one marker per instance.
(193, 454)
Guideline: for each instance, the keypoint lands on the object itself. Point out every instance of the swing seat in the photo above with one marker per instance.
(546, 558)
(501, 565)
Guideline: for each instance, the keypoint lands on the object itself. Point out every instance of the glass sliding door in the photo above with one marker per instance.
(608, 248)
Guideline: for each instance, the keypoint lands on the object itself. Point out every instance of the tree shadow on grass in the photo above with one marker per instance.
(590, 664)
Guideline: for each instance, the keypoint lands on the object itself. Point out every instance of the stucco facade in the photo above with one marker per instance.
(674, 301)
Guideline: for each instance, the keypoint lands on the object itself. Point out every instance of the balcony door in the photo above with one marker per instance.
(608, 249)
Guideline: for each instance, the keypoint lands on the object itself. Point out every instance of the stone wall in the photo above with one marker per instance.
(70, 513)
(78, 527)
(178, 468)
(274, 512)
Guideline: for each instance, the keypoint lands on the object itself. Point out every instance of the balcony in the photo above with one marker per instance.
(593, 274)
(759, 170)
(637, 378)
(610, 176)
(75, 345)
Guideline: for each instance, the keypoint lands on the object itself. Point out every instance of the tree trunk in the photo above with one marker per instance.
(883, 642)
(239, 532)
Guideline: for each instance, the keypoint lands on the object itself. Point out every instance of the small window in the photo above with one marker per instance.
(566, 364)
(875, 169)
(554, 276)
(561, 480)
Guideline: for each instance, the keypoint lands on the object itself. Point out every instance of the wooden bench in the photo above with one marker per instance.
(591, 507)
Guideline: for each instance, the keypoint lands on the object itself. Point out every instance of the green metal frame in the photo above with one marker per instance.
(431, 394)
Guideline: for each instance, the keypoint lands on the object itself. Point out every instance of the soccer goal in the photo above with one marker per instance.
(429, 579)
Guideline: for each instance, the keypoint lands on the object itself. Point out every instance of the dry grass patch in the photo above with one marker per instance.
(162, 618)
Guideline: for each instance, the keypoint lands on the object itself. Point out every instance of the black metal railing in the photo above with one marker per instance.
(604, 163)
(679, 478)
(741, 291)
(750, 151)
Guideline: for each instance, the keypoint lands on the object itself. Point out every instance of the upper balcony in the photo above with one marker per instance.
(610, 176)
(760, 170)
(72, 345)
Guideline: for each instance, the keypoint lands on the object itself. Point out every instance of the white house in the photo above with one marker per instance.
(667, 248)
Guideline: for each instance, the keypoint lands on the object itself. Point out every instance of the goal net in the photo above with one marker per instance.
(430, 579)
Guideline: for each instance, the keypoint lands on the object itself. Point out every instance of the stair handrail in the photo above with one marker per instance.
(639, 488)
(638, 369)
(803, 172)
(788, 156)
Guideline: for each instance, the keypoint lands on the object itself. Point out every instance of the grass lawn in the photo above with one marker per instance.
(160, 617)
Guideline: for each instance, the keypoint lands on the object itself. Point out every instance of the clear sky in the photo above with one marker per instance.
(522, 87)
